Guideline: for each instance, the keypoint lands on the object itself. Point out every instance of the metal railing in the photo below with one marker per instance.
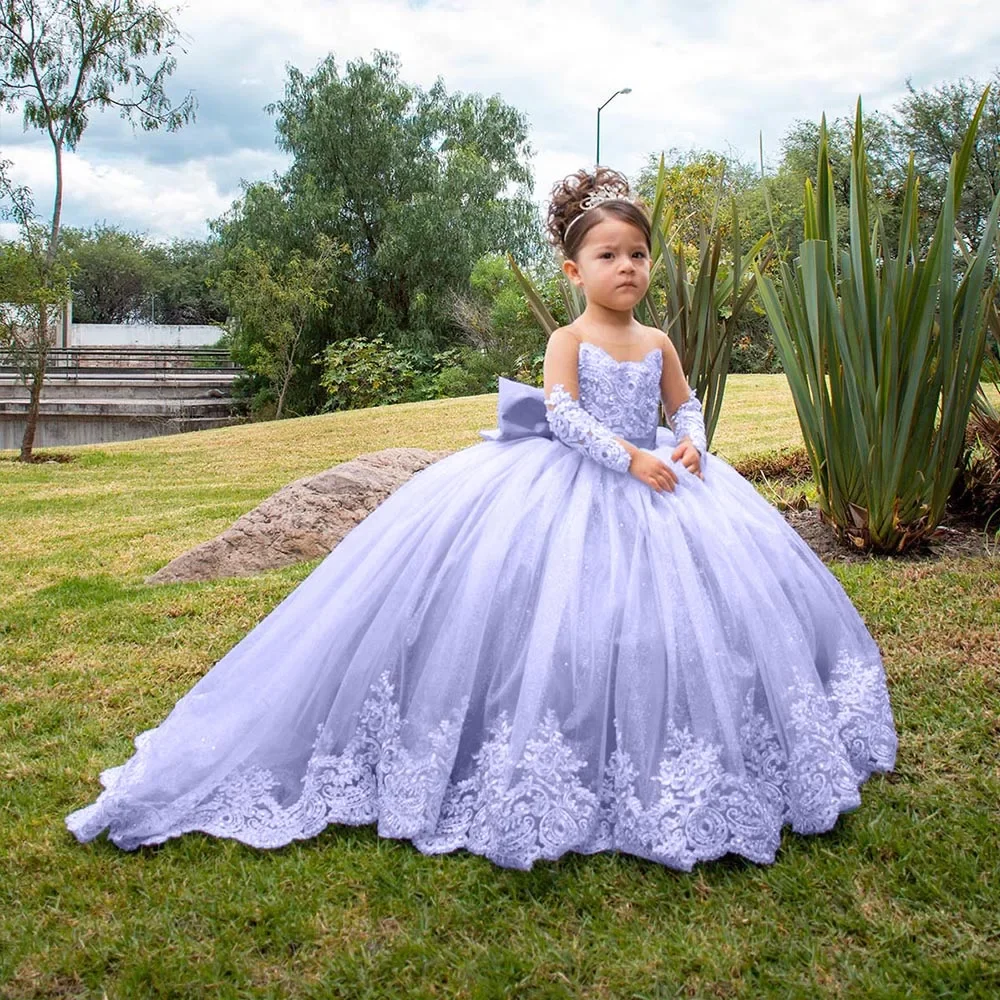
(61, 358)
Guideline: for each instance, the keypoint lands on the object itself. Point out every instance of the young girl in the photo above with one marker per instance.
(583, 634)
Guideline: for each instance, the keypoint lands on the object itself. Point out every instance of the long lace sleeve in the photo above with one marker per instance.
(575, 427)
(687, 421)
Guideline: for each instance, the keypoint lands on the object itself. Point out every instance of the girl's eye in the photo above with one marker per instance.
(639, 253)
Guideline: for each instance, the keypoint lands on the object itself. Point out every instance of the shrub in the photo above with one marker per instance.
(882, 346)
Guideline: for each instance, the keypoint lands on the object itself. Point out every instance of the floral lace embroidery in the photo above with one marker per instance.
(622, 395)
(688, 421)
(516, 811)
(575, 427)
(374, 778)
(617, 399)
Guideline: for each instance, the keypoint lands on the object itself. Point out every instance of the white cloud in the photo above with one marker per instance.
(163, 200)
(711, 76)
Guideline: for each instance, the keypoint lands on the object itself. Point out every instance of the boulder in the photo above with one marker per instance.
(303, 520)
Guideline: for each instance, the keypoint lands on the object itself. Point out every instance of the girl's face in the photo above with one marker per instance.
(612, 265)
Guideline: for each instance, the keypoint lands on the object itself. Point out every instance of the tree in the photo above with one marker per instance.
(933, 123)
(31, 291)
(114, 274)
(186, 290)
(414, 179)
(272, 301)
(123, 277)
(59, 61)
(418, 184)
(699, 185)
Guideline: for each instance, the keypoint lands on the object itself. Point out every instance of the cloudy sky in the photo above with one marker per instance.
(704, 73)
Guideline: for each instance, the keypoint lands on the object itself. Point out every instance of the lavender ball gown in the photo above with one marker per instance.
(522, 652)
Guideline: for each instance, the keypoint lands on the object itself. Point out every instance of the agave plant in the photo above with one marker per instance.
(700, 309)
(984, 407)
(977, 488)
(882, 346)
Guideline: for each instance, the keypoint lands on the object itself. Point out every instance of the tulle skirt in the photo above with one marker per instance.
(521, 653)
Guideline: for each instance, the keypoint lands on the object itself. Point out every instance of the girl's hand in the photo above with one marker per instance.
(688, 456)
(653, 472)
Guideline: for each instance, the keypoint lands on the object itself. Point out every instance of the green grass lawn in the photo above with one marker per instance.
(901, 899)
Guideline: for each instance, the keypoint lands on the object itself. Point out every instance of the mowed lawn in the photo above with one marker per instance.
(901, 899)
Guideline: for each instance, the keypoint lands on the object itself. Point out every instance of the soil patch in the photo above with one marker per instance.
(955, 538)
(788, 473)
(41, 457)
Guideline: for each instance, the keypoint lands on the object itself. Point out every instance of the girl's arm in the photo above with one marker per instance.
(682, 404)
(570, 422)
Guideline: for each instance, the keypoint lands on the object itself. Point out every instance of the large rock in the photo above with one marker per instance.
(303, 520)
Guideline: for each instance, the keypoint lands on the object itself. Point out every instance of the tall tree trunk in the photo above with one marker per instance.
(41, 354)
(54, 232)
(289, 372)
(37, 381)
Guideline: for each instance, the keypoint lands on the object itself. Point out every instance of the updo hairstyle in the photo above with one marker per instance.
(565, 205)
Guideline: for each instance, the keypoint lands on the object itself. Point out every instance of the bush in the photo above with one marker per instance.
(883, 345)
(753, 351)
(362, 372)
(475, 372)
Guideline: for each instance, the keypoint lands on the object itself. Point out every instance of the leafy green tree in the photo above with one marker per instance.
(271, 302)
(699, 186)
(61, 60)
(114, 274)
(414, 180)
(186, 289)
(419, 184)
(124, 277)
(933, 123)
(494, 315)
(277, 225)
(501, 336)
(32, 291)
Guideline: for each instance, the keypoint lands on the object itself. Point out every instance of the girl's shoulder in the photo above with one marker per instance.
(657, 338)
(655, 333)
(565, 336)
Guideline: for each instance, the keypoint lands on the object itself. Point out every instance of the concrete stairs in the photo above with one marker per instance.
(96, 395)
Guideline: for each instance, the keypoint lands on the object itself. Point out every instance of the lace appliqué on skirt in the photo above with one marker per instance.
(515, 812)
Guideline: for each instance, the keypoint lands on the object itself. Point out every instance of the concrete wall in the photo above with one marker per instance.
(141, 335)
(62, 429)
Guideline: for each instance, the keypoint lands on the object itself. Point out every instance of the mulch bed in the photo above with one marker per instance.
(957, 536)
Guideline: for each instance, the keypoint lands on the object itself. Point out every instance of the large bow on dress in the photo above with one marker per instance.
(520, 412)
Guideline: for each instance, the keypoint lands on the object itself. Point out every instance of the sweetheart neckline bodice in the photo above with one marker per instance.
(624, 395)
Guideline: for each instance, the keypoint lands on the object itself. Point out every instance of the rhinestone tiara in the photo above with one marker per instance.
(601, 194)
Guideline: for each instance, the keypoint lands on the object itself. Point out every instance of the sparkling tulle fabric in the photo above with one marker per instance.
(523, 652)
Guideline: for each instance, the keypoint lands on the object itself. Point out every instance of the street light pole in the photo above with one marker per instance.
(624, 90)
